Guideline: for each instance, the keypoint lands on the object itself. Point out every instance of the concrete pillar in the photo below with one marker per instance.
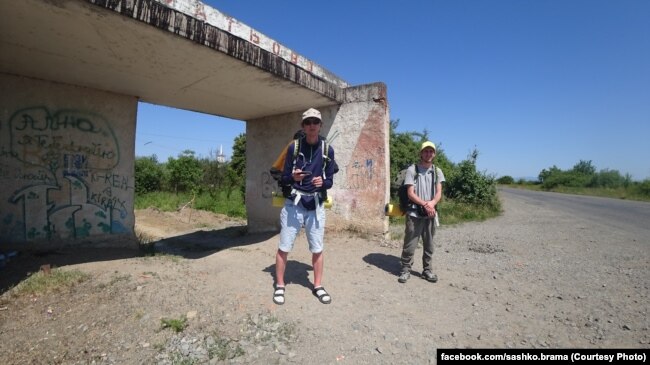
(66, 164)
(359, 131)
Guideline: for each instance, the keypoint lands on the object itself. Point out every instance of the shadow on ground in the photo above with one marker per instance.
(295, 273)
(193, 245)
(388, 263)
(199, 244)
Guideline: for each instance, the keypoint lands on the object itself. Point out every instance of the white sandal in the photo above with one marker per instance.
(322, 295)
(278, 295)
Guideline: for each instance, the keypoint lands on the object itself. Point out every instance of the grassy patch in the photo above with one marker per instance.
(217, 202)
(43, 282)
(452, 212)
(177, 325)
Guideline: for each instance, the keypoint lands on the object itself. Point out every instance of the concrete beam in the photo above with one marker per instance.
(178, 53)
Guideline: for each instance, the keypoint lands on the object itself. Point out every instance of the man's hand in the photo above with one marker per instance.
(430, 208)
(298, 175)
(317, 181)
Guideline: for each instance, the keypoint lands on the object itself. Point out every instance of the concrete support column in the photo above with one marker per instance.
(358, 131)
(362, 187)
(66, 164)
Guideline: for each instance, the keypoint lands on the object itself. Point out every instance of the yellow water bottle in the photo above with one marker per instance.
(328, 202)
(392, 210)
(277, 199)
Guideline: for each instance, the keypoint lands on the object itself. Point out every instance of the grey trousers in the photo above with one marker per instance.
(416, 228)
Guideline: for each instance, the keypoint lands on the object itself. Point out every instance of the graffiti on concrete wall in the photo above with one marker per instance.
(364, 173)
(268, 185)
(360, 173)
(62, 170)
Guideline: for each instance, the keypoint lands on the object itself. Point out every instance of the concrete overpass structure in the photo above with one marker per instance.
(72, 73)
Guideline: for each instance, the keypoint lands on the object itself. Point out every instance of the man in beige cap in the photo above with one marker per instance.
(424, 189)
(309, 169)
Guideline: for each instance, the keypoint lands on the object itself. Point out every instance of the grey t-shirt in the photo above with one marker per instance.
(421, 179)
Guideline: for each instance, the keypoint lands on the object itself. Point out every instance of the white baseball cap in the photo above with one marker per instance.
(311, 113)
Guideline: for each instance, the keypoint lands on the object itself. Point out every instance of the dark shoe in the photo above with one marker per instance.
(322, 295)
(429, 276)
(403, 277)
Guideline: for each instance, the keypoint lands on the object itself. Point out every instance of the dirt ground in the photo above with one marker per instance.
(531, 278)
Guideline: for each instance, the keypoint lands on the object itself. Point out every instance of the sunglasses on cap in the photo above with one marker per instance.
(310, 121)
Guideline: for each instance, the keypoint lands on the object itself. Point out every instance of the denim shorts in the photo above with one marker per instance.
(293, 218)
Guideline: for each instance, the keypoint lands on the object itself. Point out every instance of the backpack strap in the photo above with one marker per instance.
(296, 150)
(325, 148)
(435, 176)
(433, 180)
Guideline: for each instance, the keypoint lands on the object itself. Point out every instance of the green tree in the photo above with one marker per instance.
(214, 173)
(403, 149)
(583, 174)
(185, 172)
(545, 174)
(584, 167)
(506, 180)
(236, 172)
(149, 174)
(627, 180)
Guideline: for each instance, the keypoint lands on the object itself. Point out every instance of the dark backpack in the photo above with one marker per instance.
(404, 201)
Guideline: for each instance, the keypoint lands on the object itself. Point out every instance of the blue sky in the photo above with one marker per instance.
(530, 84)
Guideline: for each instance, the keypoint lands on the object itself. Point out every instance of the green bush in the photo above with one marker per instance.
(607, 179)
(148, 174)
(467, 185)
(506, 180)
(566, 178)
(583, 175)
(644, 187)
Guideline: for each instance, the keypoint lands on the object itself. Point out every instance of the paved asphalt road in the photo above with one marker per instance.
(630, 216)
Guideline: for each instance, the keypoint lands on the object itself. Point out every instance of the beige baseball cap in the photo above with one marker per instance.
(311, 113)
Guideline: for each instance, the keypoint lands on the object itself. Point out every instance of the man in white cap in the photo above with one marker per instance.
(309, 168)
(424, 188)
